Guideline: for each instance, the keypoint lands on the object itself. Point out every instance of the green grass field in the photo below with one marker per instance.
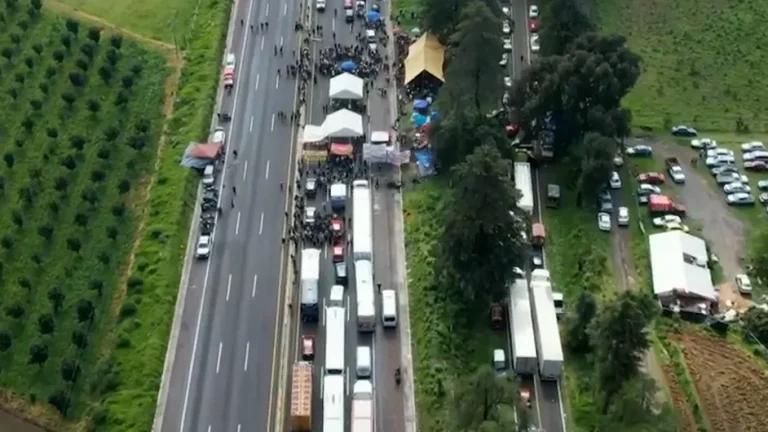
(703, 61)
(82, 118)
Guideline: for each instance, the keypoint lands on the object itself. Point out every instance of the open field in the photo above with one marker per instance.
(447, 341)
(82, 115)
(731, 385)
(702, 61)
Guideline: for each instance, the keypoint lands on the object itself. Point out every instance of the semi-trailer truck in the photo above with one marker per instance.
(550, 350)
(524, 359)
(301, 397)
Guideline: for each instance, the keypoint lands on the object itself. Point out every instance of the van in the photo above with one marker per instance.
(364, 365)
(337, 296)
(388, 308)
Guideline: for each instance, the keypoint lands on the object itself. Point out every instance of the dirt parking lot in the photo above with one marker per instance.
(732, 387)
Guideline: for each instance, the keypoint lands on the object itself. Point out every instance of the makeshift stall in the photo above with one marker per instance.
(343, 124)
(346, 86)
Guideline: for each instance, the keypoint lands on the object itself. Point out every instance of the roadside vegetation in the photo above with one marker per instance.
(96, 207)
(702, 61)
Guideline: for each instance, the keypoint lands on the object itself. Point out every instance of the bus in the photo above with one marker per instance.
(310, 277)
(333, 403)
(335, 324)
(366, 300)
(362, 231)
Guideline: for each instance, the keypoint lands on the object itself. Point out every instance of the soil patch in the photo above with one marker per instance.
(679, 401)
(732, 387)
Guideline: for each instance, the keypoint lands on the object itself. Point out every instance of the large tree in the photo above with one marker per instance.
(592, 163)
(577, 322)
(482, 239)
(636, 408)
(442, 17)
(580, 91)
(562, 22)
(619, 339)
(484, 402)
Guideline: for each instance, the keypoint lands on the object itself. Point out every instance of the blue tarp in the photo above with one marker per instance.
(348, 66)
(420, 104)
(419, 119)
(373, 16)
(424, 162)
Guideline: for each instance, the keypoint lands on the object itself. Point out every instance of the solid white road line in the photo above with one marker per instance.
(257, 81)
(261, 223)
(229, 285)
(277, 81)
(346, 376)
(218, 363)
(237, 225)
(250, 126)
(245, 170)
(272, 126)
(253, 290)
(266, 173)
(188, 386)
(247, 351)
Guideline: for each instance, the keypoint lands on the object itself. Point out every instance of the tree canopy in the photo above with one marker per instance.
(482, 240)
(442, 17)
(562, 22)
(592, 162)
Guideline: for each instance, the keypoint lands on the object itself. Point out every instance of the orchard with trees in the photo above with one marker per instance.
(81, 122)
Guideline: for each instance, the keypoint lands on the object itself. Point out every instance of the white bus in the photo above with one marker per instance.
(335, 324)
(310, 277)
(362, 231)
(333, 403)
(366, 300)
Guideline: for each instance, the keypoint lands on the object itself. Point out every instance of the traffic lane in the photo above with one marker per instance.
(551, 414)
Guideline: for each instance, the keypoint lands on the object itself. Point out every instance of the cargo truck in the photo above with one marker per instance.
(310, 277)
(301, 397)
(524, 183)
(362, 406)
(550, 350)
(524, 359)
(362, 228)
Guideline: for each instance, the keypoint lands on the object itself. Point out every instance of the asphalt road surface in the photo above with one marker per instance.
(222, 373)
(385, 344)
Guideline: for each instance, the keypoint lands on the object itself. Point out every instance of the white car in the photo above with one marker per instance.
(623, 216)
(504, 59)
(703, 143)
(321, 5)
(755, 155)
(533, 11)
(309, 214)
(615, 182)
(666, 219)
(736, 187)
(604, 221)
(720, 160)
(507, 44)
(505, 27)
(535, 47)
(647, 189)
(230, 60)
(677, 174)
(752, 146)
(744, 284)
(219, 136)
(506, 12)
(715, 152)
(203, 250)
(507, 81)
(676, 226)
(618, 161)
(208, 176)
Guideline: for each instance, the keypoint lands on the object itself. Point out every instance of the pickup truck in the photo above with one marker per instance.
(675, 170)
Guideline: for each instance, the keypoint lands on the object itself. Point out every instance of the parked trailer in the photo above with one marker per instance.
(333, 403)
(547, 332)
(310, 278)
(524, 183)
(301, 397)
(362, 406)
(524, 358)
(362, 231)
(366, 300)
(335, 323)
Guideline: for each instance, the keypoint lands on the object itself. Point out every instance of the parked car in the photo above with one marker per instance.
(676, 174)
(752, 146)
(506, 12)
(309, 215)
(744, 284)
(647, 189)
(640, 150)
(724, 168)
(736, 187)
(740, 198)
(537, 260)
(505, 27)
(340, 268)
(208, 175)
(338, 251)
(497, 316)
(500, 362)
(763, 198)
(719, 160)
(762, 184)
(507, 44)
(605, 202)
(533, 11)
(666, 219)
(615, 181)
(307, 347)
(310, 187)
(683, 130)
(756, 165)
(755, 155)
(730, 177)
(623, 219)
(719, 151)
(504, 59)
(618, 161)
(676, 226)
(219, 136)
(204, 245)
(703, 143)
(535, 47)
(507, 81)
(533, 25)
(604, 221)
(650, 177)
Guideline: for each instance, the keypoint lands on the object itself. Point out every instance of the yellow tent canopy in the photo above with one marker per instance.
(425, 55)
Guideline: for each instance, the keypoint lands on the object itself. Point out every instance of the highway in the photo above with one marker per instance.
(545, 395)
(389, 409)
(223, 367)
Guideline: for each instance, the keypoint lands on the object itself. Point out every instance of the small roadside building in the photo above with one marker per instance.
(682, 280)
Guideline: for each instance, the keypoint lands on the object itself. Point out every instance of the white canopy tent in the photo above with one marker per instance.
(346, 86)
(312, 134)
(343, 124)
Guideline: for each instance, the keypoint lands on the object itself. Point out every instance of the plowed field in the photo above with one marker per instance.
(732, 387)
(679, 401)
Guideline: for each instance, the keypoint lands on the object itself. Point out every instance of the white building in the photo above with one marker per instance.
(681, 275)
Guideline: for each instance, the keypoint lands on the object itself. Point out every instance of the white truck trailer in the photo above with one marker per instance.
(547, 332)
(366, 300)
(310, 278)
(524, 183)
(362, 406)
(362, 225)
(335, 324)
(333, 403)
(524, 358)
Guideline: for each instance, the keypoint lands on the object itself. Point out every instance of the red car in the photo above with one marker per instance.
(338, 252)
(533, 25)
(525, 396)
(651, 178)
(307, 347)
(337, 227)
